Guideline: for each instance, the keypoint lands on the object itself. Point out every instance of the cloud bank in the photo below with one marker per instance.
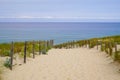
(59, 17)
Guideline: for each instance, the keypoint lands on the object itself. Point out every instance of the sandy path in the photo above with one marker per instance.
(70, 64)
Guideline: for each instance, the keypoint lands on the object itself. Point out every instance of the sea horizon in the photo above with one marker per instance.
(58, 31)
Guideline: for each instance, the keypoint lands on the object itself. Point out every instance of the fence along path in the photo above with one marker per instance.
(110, 47)
(72, 63)
(42, 50)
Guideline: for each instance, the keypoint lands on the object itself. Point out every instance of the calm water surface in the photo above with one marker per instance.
(60, 32)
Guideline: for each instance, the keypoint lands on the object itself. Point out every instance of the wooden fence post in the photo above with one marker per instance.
(52, 43)
(116, 54)
(85, 43)
(47, 43)
(89, 43)
(110, 48)
(11, 55)
(25, 50)
(97, 45)
(45, 47)
(116, 47)
(33, 50)
(39, 48)
(73, 44)
(101, 45)
(68, 45)
(106, 47)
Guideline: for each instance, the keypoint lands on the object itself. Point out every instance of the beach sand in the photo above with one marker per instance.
(67, 64)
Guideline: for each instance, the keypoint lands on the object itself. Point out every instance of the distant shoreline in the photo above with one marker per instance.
(59, 22)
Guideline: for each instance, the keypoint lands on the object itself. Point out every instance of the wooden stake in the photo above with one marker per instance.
(89, 44)
(25, 50)
(45, 45)
(39, 48)
(85, 43)
(101, 45)
(116, 54)
(33, 50)
(115, 47)
(97, 45)
(11, 55)
(52, 43)
(110, 48)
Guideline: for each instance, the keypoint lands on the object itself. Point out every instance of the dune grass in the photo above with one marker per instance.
(0, 74)
(19, 50)
(1, 70)
(19, 47)
(107, 44)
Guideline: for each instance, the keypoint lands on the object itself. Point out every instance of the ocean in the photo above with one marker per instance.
(58, 31)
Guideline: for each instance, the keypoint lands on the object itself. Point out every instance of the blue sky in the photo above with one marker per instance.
(59, 10)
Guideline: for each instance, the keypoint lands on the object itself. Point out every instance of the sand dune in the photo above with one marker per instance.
(67, 64)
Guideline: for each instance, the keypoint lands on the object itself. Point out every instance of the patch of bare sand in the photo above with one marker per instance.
(67, 64)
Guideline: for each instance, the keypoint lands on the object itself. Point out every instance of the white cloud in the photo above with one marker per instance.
(60, 17)
(24, 17)
(27, 17)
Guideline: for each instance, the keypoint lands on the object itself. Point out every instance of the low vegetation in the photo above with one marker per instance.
(19, 48)
(7, 62)
(107, 44)
(1, 70)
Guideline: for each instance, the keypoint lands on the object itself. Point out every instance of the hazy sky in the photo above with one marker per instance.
(60, 10)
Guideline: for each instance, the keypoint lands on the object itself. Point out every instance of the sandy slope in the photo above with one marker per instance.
(70, 64)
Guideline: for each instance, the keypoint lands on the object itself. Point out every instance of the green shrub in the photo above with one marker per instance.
(117, 55)
(102, 48)
(0, 74)
(6, 52)
(1, 70)
(7, 63)
(44, 52)
(106, 50)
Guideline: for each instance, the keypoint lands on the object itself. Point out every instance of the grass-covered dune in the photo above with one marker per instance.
(5, 48)
(109, 44)
(21, 49)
